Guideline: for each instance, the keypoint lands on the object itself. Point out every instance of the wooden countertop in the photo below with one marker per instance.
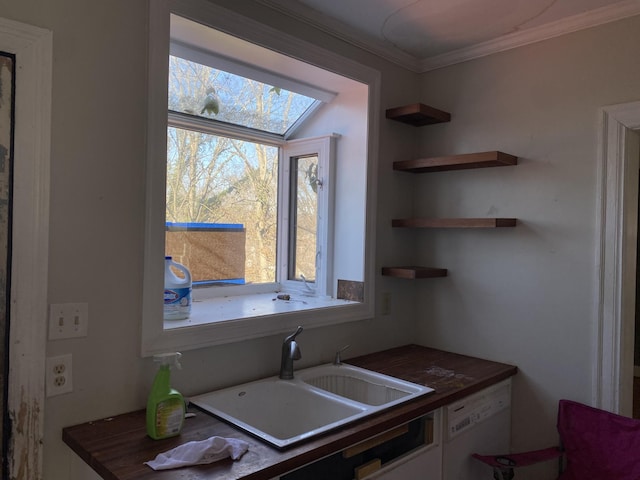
(116, 448)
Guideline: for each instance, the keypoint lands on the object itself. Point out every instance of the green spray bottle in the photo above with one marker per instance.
(165, 406)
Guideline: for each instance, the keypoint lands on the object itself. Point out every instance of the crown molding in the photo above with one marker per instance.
(338, 29)
(342, 31)
(528, 36)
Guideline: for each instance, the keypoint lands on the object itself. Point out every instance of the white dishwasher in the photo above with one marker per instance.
(479, 423)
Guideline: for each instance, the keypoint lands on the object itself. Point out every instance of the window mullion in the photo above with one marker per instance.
(324, 248)
(215, 127)
(284, 210)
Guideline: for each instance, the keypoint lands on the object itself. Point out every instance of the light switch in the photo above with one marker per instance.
(68, 320)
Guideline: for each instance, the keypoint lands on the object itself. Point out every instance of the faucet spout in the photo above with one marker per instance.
(338, 358)
(290, 352)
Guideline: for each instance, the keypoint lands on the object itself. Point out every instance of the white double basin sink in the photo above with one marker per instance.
(318, 399)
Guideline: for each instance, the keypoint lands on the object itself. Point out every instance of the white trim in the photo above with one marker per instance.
(528, 36)
(155, 339)
(210, 126)
(33, 49)
(151, 326)
(615, 294)
(592, 18)
(341, 30)
(219, 62)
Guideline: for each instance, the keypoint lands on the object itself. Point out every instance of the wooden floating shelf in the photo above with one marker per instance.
(413, 273)
(418, 115)
(457, 162)
(454, 222)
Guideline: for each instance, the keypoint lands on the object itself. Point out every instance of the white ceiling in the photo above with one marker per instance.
(425, 34)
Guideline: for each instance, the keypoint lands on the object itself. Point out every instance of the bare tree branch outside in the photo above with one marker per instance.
(217, 179)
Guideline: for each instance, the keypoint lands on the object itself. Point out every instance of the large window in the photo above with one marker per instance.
(259, 183)
(217, 180)
(229, 162)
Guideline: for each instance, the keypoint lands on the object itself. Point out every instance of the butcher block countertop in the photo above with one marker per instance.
(117, 447)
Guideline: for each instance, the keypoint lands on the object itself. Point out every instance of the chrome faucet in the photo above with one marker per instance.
(290, 352)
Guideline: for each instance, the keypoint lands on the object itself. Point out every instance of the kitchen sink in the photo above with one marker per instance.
(361, 385)
(318, 399)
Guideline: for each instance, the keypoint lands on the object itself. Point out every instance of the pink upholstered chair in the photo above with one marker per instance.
(594, 445)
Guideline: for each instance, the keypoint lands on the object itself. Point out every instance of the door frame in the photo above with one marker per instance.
(32, 47)
(617, 204)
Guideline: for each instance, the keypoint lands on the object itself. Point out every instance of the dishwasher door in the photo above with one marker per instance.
(479, 423)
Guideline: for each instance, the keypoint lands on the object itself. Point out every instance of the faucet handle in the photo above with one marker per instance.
(290, 352)
(293, 336)
(338, 359)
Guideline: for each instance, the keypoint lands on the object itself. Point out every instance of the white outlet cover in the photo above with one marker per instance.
(59, 375)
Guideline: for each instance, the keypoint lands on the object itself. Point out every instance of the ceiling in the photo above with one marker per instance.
(426, 34)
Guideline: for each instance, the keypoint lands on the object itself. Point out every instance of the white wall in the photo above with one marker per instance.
(97, 220)
(526, 295)
(523, 296)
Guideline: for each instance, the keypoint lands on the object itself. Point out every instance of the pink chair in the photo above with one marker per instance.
(595, 445)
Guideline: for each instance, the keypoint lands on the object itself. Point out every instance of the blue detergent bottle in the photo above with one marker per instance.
(177, 291)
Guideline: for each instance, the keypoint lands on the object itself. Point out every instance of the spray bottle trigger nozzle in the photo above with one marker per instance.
(171, 359)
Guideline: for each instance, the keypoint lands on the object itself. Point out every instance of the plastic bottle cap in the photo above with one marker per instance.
(168, 258)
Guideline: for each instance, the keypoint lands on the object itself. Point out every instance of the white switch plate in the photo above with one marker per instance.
(68, 320)
(59, 375)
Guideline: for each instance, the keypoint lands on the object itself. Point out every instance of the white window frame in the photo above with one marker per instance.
(154, 337)
(324, 148)
(209, 127)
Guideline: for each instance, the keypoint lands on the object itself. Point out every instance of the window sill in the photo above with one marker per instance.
(222, 320)
(243, 307)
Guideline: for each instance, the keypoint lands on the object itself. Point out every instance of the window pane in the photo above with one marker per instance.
(304, 214)
(200, 90)
(228, 188)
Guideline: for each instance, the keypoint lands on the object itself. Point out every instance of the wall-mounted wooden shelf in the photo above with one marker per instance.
(453, 222)
(418, 115)
(413, 273)
(456, 162)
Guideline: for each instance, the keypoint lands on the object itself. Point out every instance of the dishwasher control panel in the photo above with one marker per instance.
(464, 414)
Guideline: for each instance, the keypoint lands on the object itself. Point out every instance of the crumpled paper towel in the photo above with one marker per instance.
(199, 453)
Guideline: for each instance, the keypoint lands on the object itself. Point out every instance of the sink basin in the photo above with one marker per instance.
(361, 385)
(278, 411)
(318, 399)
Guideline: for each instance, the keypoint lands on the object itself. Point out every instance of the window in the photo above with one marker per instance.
(258, 179)
(303, 218)
(228, 162)
(308, 215)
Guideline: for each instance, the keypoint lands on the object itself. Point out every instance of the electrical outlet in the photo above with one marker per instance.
(59, 375)
(68, 320)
